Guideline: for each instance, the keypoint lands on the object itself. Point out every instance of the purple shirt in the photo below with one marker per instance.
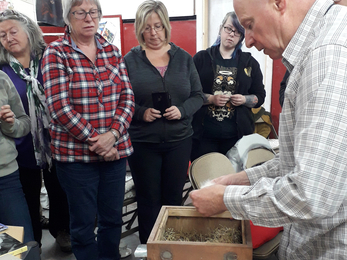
(24, 145)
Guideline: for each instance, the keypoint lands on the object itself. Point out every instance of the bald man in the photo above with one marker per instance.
(304, 188)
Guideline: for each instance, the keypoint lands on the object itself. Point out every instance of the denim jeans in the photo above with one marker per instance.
(94, 190)
(13, 206)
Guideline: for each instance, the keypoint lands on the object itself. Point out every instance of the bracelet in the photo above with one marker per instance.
(114, 132)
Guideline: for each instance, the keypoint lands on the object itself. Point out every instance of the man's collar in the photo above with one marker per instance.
(304, 36)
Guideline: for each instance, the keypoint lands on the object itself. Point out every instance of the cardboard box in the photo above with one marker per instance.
(188, 219)
(16, 232)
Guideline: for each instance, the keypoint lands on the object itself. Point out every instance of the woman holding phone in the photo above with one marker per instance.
(160, 72)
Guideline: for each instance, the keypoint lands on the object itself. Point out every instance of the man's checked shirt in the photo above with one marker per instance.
(304, 188)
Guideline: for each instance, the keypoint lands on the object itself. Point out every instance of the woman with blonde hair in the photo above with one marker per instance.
(167, 94)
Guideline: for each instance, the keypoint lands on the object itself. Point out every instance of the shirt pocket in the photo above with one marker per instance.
(113, 74)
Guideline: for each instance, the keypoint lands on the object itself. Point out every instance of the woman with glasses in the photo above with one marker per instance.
(91, 104)
(233, 84)
(21, 50)
(167, 93)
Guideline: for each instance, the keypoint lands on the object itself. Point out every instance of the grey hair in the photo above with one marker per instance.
(33, 31)
(68, 4)
(144, 11)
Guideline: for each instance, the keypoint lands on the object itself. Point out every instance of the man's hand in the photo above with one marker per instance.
(7, 115)
(239, 178)
(209, 201)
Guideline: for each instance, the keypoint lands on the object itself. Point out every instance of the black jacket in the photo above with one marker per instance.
(246, 85)
(181, 80)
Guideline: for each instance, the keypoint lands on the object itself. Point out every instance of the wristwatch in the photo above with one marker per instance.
(114, 132)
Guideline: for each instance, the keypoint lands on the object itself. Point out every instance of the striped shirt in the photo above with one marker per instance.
(304, 188)
(86, 99)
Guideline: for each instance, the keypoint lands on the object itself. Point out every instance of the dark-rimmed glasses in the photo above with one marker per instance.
(229, 30)
(81, 14)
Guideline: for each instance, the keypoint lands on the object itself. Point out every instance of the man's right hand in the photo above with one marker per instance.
(239, 178)
(209, 201)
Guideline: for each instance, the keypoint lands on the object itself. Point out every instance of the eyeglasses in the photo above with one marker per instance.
(157, 28)
(229, 30)
(81, 14)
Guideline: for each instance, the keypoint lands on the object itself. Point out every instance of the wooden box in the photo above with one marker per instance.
(189, 219)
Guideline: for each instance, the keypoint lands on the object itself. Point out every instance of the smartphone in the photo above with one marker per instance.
(161, 101)
(3, 227)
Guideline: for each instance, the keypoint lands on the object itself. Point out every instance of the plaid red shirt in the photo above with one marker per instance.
(86, 99)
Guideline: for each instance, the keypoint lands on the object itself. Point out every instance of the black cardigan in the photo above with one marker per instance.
(181, 80)
(253, 85)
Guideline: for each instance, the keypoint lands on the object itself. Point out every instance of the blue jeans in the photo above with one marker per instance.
(94, 189)
(13, 206)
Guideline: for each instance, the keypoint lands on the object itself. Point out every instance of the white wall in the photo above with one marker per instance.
(25, 6)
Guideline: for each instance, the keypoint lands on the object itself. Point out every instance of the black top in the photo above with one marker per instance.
(220, 122)
(237, 76)
(283, 87)
(180, 81)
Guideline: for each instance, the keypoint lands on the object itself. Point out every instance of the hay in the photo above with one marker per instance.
(220, 234)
